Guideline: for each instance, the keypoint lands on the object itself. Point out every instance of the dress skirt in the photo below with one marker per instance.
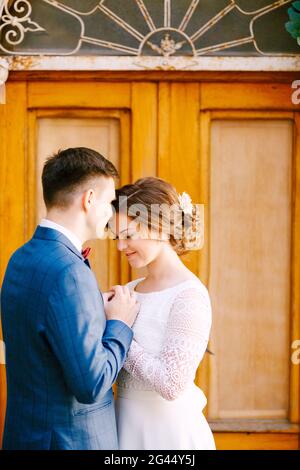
(147, 421)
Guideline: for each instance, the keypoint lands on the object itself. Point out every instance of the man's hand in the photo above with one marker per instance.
(121, 304)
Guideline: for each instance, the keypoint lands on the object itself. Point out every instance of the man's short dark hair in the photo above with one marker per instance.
(67, 170)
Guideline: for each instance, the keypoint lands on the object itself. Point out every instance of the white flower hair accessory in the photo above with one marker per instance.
(185, 203)
(194, 225)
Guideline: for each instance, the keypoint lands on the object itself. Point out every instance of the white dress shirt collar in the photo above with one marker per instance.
(70, 235)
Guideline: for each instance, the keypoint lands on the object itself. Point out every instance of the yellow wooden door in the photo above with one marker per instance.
(117, 119)
(233, 148)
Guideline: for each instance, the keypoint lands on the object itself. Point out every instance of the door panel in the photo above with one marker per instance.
(79, 95)
(250, 243)
(249, 166)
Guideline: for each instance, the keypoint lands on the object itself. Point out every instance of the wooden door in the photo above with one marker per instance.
(233, 147)
(117, 119)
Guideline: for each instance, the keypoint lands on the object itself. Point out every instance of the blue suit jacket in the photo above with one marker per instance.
(62, 356)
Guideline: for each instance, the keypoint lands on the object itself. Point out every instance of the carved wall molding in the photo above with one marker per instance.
(115, 63)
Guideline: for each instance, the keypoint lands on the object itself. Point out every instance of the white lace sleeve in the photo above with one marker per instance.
(184, 345)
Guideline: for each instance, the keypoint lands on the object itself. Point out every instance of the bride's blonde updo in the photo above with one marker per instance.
(158, 206)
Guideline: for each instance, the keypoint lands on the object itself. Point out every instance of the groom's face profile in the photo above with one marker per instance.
(96, 202)
(78, 188)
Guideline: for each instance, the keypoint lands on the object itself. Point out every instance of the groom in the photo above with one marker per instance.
(65, 342)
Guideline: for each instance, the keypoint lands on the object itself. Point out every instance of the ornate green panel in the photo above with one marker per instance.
(146, 27)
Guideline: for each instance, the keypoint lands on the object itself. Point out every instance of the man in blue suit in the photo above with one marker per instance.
(65, 341)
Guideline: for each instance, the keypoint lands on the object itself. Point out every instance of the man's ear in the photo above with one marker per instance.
(88, 199)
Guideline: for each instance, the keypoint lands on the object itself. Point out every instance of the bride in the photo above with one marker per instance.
(158, 405)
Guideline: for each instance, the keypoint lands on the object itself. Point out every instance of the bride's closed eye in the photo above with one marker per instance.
(127, 236)
(122, 236)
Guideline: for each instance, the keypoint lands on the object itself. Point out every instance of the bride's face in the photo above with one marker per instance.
(136, 241)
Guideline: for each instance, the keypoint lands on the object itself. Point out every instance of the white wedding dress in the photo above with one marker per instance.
(158, 405)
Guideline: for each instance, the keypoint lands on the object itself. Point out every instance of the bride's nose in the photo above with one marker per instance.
(122, 245)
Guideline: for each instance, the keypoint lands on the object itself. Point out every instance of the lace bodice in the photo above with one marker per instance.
(171, 333)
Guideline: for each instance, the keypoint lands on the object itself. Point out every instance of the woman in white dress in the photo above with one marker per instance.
(158, 405)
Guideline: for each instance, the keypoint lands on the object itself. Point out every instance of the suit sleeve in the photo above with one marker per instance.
(90, 349)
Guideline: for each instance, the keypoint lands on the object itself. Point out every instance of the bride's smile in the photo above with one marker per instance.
(130, 254)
